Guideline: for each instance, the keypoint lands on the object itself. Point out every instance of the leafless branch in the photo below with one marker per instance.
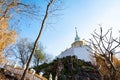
(105, 44)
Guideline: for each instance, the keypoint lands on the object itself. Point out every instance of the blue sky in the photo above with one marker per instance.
(86, 15)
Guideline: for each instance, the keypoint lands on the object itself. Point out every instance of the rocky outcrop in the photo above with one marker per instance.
(70, 68)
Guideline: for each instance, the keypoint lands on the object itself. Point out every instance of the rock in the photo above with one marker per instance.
(71, 68)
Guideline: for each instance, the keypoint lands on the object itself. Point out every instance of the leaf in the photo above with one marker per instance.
(7, 37)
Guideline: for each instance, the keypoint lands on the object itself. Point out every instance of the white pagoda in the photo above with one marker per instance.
(78, 48)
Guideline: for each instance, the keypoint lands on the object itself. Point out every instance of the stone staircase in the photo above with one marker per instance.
(31, 75)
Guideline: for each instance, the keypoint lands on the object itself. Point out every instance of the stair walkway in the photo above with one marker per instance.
(31, 75)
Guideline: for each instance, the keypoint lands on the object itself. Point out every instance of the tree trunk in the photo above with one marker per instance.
(36, 41)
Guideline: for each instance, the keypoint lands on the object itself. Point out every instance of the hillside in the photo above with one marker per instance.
(69, 68)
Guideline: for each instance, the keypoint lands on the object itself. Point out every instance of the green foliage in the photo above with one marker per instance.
(70, 66)
(81, 63)
(39, 56)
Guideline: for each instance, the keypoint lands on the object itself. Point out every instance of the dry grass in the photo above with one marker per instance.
(2, 77)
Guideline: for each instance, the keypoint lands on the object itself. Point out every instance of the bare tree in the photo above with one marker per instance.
(8, 7)
(22, 51)
(12, 11)
(15, 10)
(104, 46)
(49, 8)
